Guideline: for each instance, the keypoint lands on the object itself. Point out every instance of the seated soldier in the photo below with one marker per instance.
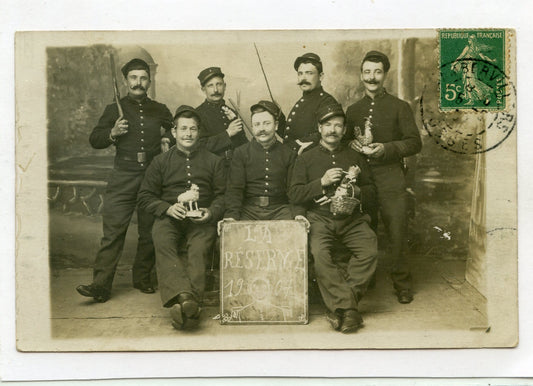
(187, 169)
(259, 174)
(321, 175)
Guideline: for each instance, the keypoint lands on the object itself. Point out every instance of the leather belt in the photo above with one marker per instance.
(266, 201)
(139, 157)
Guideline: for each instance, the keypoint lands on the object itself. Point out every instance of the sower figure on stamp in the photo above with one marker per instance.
(332, 180)
(259, 173)
(386, 132)
(222, 131)
(187, 169)
(137, 138)
(300, 130)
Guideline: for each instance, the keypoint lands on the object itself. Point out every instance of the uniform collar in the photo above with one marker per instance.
(185, 155)
(337, 150)
(218, 104)
(313, 92)
(378, 96)
(258, 146)
(136, 101)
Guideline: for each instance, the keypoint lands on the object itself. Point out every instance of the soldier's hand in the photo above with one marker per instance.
(234, 127)
(303, 146)
(304, 220)
(206, 216)
(331, 176)
(165, 145)
(120, 128)
(177, 211)
(356, 145)
(378, 149)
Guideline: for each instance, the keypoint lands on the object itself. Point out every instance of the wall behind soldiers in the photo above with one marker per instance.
(78, 93)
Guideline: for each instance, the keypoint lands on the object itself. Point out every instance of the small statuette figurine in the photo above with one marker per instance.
(189, 199)
(366, 137)
(345, 200)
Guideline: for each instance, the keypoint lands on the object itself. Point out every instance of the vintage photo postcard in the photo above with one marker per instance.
(266, 190)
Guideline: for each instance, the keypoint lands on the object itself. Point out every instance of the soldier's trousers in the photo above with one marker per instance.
(392, 197)
(342, 286)
(120, 201)
(181, 272)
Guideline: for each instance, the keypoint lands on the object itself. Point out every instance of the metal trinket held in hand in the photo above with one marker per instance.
(189, 199)
(365, 138)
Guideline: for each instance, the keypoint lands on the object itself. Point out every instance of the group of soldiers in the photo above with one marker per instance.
(290, 167)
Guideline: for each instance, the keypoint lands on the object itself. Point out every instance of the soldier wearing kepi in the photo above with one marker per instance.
(386, 133)
(222, 130)
(300, 131)
(260, 170)
(137, 138)
(186, 169)
(332, 172)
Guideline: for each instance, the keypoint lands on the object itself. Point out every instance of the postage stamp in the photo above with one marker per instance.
(472, 69)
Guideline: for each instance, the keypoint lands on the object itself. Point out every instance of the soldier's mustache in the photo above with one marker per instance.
(138, 87)
(304, 82)
(371, 81)
(216, 94)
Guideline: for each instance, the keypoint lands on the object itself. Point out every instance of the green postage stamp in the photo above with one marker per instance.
(472, 69)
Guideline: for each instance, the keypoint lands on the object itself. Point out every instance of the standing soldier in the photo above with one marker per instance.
(173, 175)
(320, 175)
(388, 133)
(137, 139)
(300, 131)
(222, 130)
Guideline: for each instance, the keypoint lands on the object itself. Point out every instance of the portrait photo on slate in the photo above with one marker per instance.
(320, 189)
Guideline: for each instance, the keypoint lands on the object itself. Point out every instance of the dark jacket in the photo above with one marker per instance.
(148, 121)
(305, 186)
(173, 173)
(393, 124)
(302, 122)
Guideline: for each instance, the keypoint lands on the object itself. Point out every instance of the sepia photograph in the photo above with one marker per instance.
(266, 190)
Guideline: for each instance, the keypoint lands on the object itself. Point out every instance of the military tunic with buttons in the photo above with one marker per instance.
(169, 175)
(258, 183)
(215, 121)
(147, 122)
(393, 124)
(302, 123)
(341, 284)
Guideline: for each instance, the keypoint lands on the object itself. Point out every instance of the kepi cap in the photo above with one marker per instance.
(309, 57)
(327, 111)
(209, 73)
(135, 64)
(269, 106)
(376, 56)
(184, 108)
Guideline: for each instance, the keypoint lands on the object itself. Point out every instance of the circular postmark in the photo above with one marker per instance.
(468, 128)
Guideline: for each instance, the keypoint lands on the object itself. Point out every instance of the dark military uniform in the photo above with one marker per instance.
(147, 121)
(258, 182)
(302, 123)
(169, 175)
(338, 291)
(393, 124)
(213, 131)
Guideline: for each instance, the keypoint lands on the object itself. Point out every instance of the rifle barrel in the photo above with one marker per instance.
(263, 71)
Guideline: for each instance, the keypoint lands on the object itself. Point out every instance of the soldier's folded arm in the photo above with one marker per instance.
(300, 190)
(410, 143)
(100, 137)
(149, 196)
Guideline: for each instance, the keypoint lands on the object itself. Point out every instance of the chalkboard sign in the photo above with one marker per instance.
(263, 272)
